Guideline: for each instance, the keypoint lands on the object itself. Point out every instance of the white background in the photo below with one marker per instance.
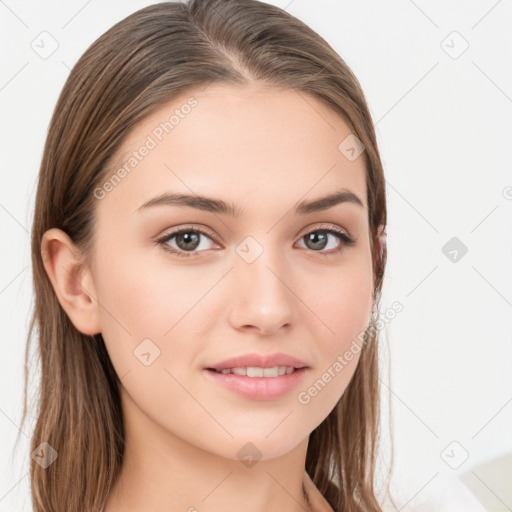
(444, 131)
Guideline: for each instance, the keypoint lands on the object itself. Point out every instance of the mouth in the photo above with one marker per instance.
(256, 371)
(256, 382)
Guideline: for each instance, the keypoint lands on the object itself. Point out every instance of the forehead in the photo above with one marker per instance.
(236, 142)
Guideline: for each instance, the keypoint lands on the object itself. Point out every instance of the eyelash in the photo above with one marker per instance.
(346, 240)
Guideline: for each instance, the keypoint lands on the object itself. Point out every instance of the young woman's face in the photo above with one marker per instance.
(265, 278)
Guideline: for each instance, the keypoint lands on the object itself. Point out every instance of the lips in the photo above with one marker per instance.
(258, 361)
(253, 385)
(254, 371)
(258, 376)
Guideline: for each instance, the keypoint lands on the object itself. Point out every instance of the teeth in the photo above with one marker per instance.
(254, 371)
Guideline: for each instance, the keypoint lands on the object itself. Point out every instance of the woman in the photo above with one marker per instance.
(208, 253)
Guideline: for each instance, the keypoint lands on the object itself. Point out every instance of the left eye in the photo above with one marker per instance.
(188, 240)
(319, 239)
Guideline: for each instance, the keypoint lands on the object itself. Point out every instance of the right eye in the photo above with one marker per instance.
(186, 243)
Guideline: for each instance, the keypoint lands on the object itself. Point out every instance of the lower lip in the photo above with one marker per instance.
(258, 388)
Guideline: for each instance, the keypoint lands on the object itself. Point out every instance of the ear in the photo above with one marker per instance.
(71, 280)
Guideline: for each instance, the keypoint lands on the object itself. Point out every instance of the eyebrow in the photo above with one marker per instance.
(219, 206)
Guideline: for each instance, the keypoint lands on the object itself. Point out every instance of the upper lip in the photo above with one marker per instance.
(259, 361)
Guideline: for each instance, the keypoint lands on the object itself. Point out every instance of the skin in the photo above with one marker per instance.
(264, 150)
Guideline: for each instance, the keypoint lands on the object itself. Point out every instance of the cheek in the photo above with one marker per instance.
(137, 293)
(139, 301)
(129, 303)
(342, 303)
(147, 328)
(341, 313)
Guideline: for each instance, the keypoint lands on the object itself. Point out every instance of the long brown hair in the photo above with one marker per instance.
(137, 66)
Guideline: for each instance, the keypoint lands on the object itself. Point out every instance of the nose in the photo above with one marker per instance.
(262, 297)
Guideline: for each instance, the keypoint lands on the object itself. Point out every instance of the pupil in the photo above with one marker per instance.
(189, 238)
(315, 238)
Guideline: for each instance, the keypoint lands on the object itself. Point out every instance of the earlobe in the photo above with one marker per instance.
(71, 280)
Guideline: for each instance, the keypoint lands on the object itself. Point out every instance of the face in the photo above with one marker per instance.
(185, 284)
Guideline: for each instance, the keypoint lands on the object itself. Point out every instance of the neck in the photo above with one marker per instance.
(162, 472)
